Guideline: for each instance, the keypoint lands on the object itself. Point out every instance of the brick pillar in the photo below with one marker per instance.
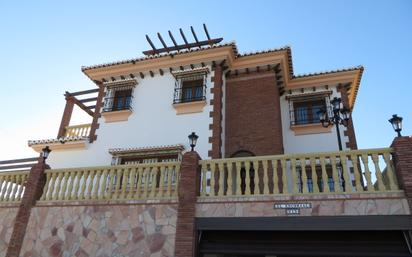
(350, 130)
(216, 115)
(33, 191)
(189, 184)
(402, 158)
(67, 114)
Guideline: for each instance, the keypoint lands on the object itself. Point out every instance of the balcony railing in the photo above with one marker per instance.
(357, 171)
(82, 130)
(117, 103)
(12, 185)
(122, 182)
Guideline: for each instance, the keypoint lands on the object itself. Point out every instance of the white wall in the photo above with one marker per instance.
(153, 123)
(309, 143)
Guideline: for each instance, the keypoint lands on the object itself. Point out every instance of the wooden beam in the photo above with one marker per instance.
(84, 92)
(184, 38)
(104, 80)
(203, 64)
(88, 100)
(161, 40)
(206, 32)
(82, 106)
(151, 74)
(122, 77)
(91, 106)
(181, 68)
(194, 34)
(185, 46)
(131, 75)
(20, 160)
(192, 66)
(150, 42)
(161, 72)
(172, 38)
(141, 75)
(113, 78)
(19, 166)
(170, 69)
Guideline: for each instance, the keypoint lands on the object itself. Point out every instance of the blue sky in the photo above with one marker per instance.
(44, 43)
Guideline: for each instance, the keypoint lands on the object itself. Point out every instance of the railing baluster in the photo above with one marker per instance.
(325, 181)
(345, 173)
(161, 182)
(169, 180)
(379, 181)
(132, 181)
(203, 178)
(238, 190)
(146, 178)
(229, 166)
(21, 187)
(84, 177)
(175, 194)
(221, 179)
(139, 183)
(2, 186)
(285, 189)
(276, 189)
(304, 177)
(125, 181)
(119, 179)
(212, 179)
(294, 176)
(76, 181)
(64, 186)
(106, 179)
(367, 173)
(155, 171)
(15, 186)
(51, 188)
(96, 185)
(265, 177)
(247, 190)
(357, 173)
(256, 189)
(315, 178)
(335, 175)
(389, 171)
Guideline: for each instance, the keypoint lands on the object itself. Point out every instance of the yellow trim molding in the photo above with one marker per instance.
(116, 116)
(74, 145)
(310, 129)
(191, 107)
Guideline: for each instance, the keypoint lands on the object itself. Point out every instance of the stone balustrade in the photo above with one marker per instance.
(354, 171)
(121, 182)
(12, 185)
(82, 130)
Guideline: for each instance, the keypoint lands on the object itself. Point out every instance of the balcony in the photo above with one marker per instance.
(75, 137)
(356, 172)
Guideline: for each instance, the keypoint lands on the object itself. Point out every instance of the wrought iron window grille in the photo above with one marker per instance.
(190, 88)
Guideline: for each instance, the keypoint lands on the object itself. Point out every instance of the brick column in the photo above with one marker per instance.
(188, 191)
(67, 114)
(402, 158)
(32, 192)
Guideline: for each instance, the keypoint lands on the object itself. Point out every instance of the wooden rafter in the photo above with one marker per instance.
(178, 47)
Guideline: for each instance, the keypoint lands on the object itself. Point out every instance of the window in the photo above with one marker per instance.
(119, 95)
(306, 111)
(190, 88)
